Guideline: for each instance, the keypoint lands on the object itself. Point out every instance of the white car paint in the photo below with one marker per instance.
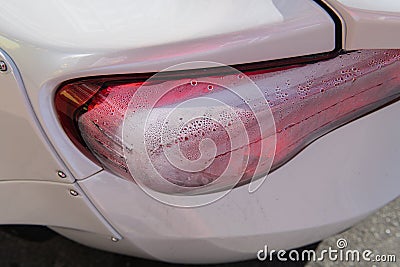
(105, 25)
(50, 203)
(26, 153)
(335, 182)
(368, 23)
(372, 5)
(311, 197)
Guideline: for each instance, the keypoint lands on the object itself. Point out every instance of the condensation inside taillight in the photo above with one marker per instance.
(306, 102)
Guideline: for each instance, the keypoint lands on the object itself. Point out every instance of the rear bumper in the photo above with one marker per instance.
(331, 185)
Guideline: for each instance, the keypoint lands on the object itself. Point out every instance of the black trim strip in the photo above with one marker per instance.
(271, 65)
(338, 24)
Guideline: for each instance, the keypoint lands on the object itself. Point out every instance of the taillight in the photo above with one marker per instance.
(131, 124)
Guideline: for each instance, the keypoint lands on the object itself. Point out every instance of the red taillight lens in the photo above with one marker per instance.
(305, 101)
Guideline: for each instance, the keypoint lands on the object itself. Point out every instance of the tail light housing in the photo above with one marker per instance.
(293, 106)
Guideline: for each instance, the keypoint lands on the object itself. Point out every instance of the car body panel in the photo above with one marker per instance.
(26, 153)
(336, 181)
(31, 189)
(52, 204)
(371, 5)
(368, 23)
(197, 26)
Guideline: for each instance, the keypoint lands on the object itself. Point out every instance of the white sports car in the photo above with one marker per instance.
(198, 131)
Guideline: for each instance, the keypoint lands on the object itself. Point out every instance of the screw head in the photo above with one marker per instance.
(3, 66)
(114, 239)
(61, 174)
(73, 192)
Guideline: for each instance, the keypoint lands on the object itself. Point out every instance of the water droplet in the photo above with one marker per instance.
(193, 82)
(210, 87)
